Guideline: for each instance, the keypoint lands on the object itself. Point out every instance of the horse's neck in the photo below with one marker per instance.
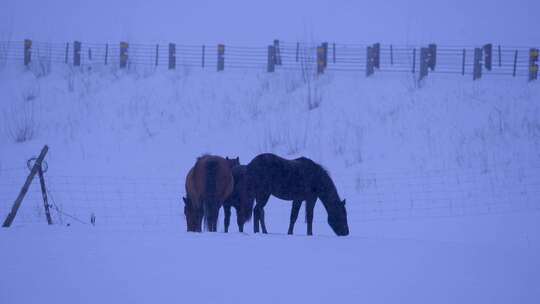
(329, 195)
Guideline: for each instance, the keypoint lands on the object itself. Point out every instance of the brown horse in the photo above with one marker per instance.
(208, 184)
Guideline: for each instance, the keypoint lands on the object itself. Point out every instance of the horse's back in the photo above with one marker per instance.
(286, 179)
(211, 175)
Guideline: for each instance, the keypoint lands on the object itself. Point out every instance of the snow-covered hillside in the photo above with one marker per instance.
(452, 144)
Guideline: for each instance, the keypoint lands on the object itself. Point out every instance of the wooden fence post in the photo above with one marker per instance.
(277, 52)
(477, 65)
(37, 165)
(67, 52)
(414, 60)
(370, 61)
(425, 62)
(463, 62)
(432, 56)
(500, 63)
(90, 54)
(488, 55)
(157, 55)
(221, 57)
(320, 59)
(533, 64)
(297, 50)
(391, 55)
(325, 56)
(515, 63)
(270, 66)
(203, 55)
(172, 56)
(76, 53)
(27, 51)
(106, 53)
(123, 54)
(334, 53)
(44, 195)
(377, 55)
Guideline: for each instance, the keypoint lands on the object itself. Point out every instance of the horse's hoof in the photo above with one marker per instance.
(289, 233)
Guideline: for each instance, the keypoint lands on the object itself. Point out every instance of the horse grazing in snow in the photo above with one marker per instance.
(295, 180)
(208, 184)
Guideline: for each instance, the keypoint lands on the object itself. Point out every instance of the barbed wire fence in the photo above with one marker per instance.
(388, 196)
(365, 59)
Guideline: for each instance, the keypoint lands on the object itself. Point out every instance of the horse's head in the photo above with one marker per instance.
(337, 219)
(194, 216)
(233, 162)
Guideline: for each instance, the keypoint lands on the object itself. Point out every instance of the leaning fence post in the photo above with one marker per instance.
(44, 195)
(76, 53)
(221, 57)
(270, 67)
(11, 216)
(123, 54)
(533, 66)
(477, 65)
(172, 56)
(515, 63)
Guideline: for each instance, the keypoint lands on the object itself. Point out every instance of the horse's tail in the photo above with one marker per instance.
(249, 207)
(210, 190)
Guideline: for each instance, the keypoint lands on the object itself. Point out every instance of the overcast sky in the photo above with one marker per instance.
(258, 22)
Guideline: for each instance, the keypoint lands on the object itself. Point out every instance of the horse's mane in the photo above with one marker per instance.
(330, 190)
(203, 156)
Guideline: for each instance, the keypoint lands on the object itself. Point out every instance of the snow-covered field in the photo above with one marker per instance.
(442, 179)
(441, 182)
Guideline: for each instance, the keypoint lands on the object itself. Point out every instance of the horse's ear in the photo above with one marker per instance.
(226, 157)
(185, 200)
(344, 201)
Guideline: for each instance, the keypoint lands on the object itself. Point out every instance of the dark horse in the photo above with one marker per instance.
(208, 184)
(295, 180)
(239, 199)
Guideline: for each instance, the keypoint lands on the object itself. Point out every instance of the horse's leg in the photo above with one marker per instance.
(263, 225)
(256, 219)
(227, 210)
(239, 221)
(310, 205)
(294, 215)
(258, 212)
